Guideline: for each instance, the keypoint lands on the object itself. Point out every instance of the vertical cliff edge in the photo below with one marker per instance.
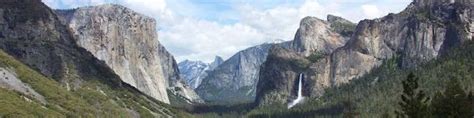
(425, 30)
(128, 43)
(46, 74)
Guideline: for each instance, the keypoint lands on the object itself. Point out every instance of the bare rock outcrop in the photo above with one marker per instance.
(279, 75)
(9, 80)
(128, 43)
(316, 36)
(425, 30)
(71, 79)
(32, 33)
(235, 80)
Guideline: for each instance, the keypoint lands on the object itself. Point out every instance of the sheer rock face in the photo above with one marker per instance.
(280, 72)
(33, 34)
(279, 75)
(239, 75)
(128, 43)
(316, 36)
(22, 35)
(235, 80)
(422, 32)
(217, 62)
(174, 81)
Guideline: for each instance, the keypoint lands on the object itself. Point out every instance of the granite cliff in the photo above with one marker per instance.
(128, 43)
(46, 71)
(234, 80)
(239, 74)
(316, 36)
(425, 30)
(314, 40)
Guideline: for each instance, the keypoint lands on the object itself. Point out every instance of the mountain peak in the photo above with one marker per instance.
(316, 35)
(431, 3)
(107, 5)
(340, 25)
(112, 10)
(311, 20)
(12, 3)
(218, 58)
(28, 10)
(337, 19)
(193, 71)
(217, 61)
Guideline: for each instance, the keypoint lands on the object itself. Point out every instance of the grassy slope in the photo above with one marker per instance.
(58, 98)
(94, 99)
(14, 105)
(377, 94)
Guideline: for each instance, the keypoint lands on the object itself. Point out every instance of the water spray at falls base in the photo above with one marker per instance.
(300, 93)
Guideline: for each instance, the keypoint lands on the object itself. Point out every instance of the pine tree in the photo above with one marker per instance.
(471, 102)
(454, 102)
(414, 102)
(349, 109)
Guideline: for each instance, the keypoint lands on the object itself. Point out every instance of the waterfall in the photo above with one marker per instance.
(197, 82)
(300, 93)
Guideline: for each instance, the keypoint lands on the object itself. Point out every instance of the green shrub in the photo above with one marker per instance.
(314, 57)
(91, 99)
(376, 93)
(14, 104)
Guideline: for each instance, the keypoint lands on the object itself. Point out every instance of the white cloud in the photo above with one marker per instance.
(280, 22)
(148, 7)
(197, 39)
(370, 11)
(202, 40)
(52, 3)
(73, 3)
(187, 36)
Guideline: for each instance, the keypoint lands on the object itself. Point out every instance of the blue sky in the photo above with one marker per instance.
(202, 29)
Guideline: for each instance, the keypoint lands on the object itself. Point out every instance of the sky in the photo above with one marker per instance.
(203, 29)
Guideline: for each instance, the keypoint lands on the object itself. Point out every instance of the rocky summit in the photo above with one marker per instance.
(316, 36)
(194, 71)
(235, 80)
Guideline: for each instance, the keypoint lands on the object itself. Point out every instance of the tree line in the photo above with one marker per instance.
(452, 102)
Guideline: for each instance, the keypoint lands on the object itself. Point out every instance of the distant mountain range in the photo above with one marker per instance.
(194, 71)
(107, 61)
